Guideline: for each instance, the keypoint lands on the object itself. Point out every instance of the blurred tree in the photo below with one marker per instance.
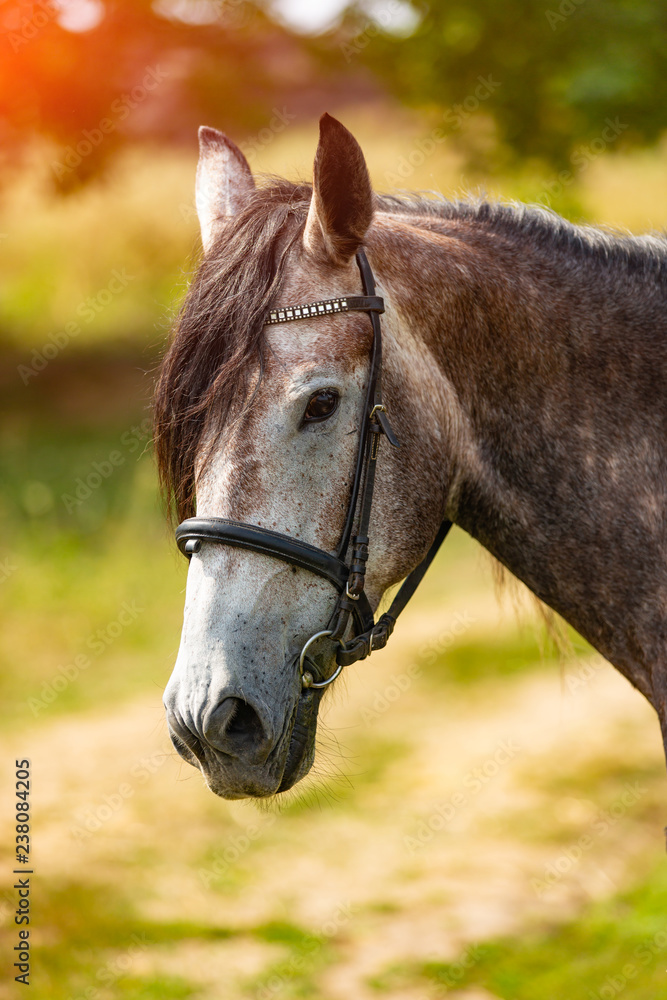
(552, 74)
(93, 74)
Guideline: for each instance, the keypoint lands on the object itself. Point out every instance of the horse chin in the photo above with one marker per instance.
(243, 783)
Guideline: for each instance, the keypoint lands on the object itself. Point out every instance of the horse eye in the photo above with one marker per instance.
(321, 405)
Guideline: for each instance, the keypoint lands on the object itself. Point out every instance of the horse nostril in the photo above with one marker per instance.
(234, 727)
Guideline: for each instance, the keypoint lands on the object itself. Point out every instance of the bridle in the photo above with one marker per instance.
(347, 574)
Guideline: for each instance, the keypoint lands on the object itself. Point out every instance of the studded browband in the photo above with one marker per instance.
(350, 303)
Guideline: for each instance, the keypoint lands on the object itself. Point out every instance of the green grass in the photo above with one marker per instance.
(71, 572)
(478, 660)
(616, 946)
(295, 974)
(96, 939)
(94, 933)
(466, 661)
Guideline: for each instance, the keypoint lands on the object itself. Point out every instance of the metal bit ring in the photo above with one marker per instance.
(307, 680)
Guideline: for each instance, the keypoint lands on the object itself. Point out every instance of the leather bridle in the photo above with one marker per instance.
(345, 572)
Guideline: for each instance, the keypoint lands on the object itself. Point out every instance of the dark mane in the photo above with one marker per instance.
(541, 228)
(219, 331)
(218, 334)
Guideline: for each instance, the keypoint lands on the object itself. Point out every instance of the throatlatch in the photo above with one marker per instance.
(346, 574)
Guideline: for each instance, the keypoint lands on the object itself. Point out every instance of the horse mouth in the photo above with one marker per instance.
(301, 751)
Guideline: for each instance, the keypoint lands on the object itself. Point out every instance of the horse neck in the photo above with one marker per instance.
(549, 358)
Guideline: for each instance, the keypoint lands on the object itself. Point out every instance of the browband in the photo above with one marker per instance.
(347, 303)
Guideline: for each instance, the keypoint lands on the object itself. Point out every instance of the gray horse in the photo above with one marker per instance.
(525, 371)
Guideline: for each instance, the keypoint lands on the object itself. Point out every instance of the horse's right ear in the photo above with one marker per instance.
(224, 181)
(341, 209)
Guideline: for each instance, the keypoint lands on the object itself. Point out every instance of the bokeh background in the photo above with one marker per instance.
(485, 820)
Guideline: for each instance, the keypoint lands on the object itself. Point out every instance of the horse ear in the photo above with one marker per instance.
(224, 181)
(341, 208)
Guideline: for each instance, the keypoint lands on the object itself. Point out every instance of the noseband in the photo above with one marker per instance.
(346, 569)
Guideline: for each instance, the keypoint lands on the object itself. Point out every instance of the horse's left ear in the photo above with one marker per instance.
(224, 181)
(341, 208)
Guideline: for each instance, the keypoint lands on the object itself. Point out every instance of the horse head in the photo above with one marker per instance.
(259, 424)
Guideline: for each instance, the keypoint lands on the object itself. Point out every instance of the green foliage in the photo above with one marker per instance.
(550, 73)
(144, 70)
(106, 263)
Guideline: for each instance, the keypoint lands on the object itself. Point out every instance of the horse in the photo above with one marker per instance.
(524, 371)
